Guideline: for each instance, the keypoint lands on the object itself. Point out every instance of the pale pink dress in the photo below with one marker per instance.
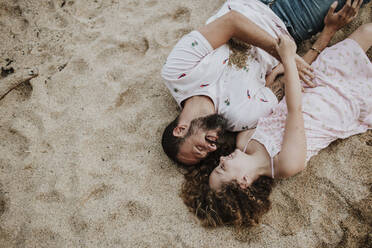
(340, 106)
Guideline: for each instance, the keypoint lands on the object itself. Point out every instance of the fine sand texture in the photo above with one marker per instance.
(81, 163)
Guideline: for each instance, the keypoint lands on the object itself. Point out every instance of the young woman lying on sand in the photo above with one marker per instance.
(237, 190)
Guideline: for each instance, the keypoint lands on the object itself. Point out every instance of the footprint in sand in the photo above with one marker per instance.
(13, 143)
(15, 15)
(182, 14)
(51, 197)
(3, 202)
(138, 210)
(131, 210)
(98, 192)
(128, 98)
(115, 74)
(43, 237)
(59, 21)
(87, 11)
(127, 51)
(163, 239)
(151, 4)
(290, 216)
(78, 224)
(172, 26)
(79, 66)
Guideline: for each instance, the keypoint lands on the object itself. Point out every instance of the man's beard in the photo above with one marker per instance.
(214, 122)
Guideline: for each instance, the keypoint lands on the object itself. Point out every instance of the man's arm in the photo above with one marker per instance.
(333, 22)
(234, 24)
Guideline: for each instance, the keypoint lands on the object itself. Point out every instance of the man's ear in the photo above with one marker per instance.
(180, 131)
(244, 183)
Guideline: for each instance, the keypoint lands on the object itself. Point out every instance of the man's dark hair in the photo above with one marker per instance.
(171, 144)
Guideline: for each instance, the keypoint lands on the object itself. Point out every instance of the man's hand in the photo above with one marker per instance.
(270, 78)
(335, 21)
(305, 71)
(287, 48)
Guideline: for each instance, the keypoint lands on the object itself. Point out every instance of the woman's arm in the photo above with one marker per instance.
(291, 159)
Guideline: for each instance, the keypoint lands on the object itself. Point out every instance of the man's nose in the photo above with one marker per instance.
(211, 147)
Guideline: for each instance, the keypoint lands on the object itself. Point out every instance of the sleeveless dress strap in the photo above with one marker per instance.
(272, 167)
(246, 145)
(271, 159)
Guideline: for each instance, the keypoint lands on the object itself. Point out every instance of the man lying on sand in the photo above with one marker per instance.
(215, 95)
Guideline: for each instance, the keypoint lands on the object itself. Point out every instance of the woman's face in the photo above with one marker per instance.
(231, 167)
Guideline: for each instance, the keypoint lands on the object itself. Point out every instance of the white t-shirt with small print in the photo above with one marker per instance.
(239, 94)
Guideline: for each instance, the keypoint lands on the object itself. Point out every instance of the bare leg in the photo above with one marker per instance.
(363, 35)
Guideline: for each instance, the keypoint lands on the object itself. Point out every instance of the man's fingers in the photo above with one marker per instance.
(270, 78)
(356, 3)
(353, 11)
(307, 72)
(352, 8)
(301, 63)
(358, 6)
(346, 8)
(306, 66)
(306, 80)
(332, 8)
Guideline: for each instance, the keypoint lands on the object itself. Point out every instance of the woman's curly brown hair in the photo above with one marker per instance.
(230, 206)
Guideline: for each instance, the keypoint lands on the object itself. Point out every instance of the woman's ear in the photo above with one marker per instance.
(244, 183)
(180, 131)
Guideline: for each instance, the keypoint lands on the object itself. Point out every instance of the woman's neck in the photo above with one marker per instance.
(261, 158)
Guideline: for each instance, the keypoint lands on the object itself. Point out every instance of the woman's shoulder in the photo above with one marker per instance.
(243, 139)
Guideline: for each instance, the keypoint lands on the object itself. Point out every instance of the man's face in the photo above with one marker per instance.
(201, 139)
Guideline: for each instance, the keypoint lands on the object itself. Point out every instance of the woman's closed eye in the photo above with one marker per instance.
(222, 165)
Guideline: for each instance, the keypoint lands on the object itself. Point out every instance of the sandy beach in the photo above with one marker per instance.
(81, 163)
